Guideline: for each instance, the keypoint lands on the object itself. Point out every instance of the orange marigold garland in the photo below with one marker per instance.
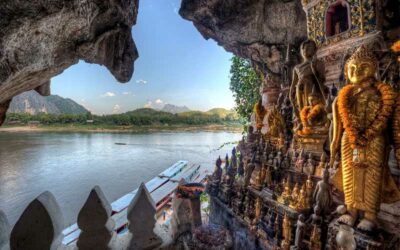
(388, 97)
(309, 113)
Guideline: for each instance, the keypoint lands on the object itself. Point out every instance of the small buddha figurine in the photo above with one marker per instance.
(296, 192)
(321, 166)
(286, 232)
(313, 115)
(249, 170)
(361, 113)
(315, 238)
(301, 159)
(251, 137)
(286, 162)
(217, 175)
(295, 196)
(300, 232)
(302, 201)
(241, 166)
(258, 205)
(284, 198)
(306, 75)
(268, 177)
(322, 194)
(309, 188)
(309, 167)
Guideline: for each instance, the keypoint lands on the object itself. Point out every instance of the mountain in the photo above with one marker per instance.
(33, 103)
(170, 108)
(220, 112)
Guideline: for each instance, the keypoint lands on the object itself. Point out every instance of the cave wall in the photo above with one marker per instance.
(248, 28)
(40, 39)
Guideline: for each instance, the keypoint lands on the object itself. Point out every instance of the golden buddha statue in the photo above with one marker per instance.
(309, 189)
(286, 232)
(313, 114)
(294, 198)
(258, 205)
(285, 196)
(315, 238)
(275, 123)
(307, 75)
(259, 112)
(303, 199)
(360, 116)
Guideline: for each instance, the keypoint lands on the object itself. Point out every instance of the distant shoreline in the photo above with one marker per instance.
(121, 129)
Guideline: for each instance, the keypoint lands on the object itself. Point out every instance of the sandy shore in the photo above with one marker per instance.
(130, 129)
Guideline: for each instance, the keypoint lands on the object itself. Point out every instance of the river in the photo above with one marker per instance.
(69, 165)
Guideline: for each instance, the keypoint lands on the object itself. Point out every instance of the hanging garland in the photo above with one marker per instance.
(356, 136)
(309, 114)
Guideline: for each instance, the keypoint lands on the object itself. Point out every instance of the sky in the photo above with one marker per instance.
(176, 65)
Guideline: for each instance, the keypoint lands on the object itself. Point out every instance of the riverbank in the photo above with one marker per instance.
(121, 129)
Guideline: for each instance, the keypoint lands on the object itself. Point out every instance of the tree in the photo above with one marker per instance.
(244, 84)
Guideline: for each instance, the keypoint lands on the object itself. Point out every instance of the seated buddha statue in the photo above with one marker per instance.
(275, 123)
(361, 114)
(313, 115)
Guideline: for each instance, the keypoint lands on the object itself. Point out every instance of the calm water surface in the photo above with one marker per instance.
(70, 164)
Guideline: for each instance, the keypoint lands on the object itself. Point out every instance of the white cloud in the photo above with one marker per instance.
(108, 94)
(141, 81)
(116, 109)
(128, 93)
(149, 104)
(159, 101)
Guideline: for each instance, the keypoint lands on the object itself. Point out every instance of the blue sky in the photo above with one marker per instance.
(176, 65)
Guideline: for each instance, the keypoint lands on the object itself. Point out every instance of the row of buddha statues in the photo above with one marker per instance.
(360, 125)
(335, 155)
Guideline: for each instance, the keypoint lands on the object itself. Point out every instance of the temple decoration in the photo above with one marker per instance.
(332, 21)
(360, 116)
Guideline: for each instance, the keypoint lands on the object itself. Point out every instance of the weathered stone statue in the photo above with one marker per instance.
(309, 167)
(217, 175)
(322, 194)
(360, 117)
(251, 137)
(300, 227)
(306, 75)
(249, 171)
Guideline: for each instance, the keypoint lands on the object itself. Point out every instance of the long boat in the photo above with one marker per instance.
(161, 189)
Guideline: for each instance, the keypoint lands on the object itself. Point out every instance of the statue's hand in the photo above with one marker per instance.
(362, 141)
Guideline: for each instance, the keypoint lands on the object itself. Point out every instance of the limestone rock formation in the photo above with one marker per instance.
(40, 39)
(248, 28)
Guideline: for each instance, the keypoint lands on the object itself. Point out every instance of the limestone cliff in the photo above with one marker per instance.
(39, 39)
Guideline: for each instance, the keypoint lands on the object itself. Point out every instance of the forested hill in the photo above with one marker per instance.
(32, 103)
(143, 116)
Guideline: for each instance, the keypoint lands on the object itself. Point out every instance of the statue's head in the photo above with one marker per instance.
(308, 49)
(361, 66)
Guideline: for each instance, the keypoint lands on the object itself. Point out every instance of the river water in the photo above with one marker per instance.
(69, 165)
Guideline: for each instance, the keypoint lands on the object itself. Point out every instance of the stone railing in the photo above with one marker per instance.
(40, 225)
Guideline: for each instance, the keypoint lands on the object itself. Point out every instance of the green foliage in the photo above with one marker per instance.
(133, 118)
(244, 84)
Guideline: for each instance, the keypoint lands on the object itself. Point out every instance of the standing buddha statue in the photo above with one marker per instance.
(361, 114)
(259, 112)
(307, 75)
